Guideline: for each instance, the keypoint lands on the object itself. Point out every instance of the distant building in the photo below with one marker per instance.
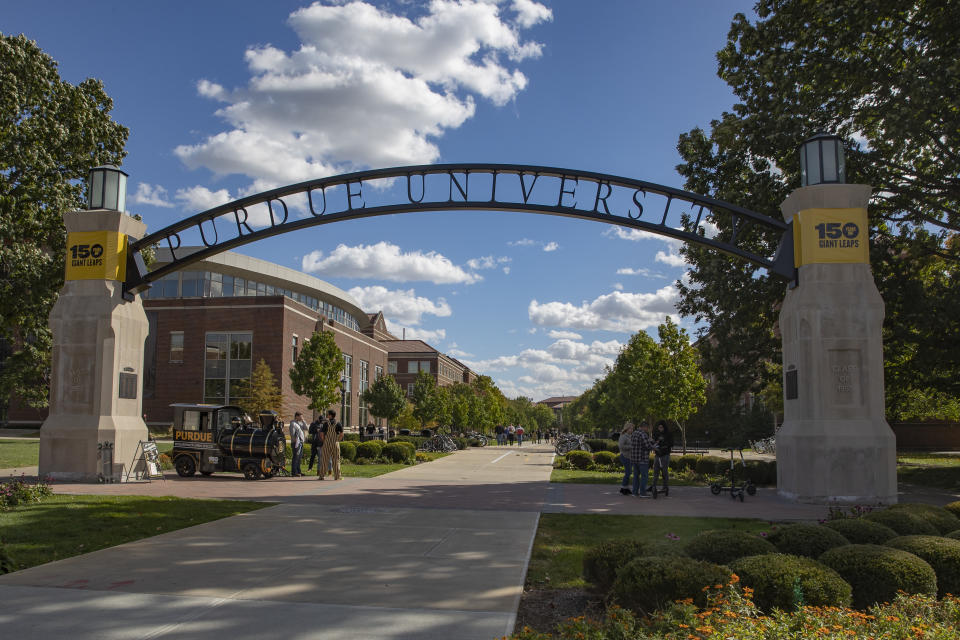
(408, 357)
(556, 404)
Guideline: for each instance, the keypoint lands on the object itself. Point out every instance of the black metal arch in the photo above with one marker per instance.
(447, 187)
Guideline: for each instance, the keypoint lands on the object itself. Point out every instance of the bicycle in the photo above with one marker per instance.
(569, 442)
(476, 435)
(438, 443)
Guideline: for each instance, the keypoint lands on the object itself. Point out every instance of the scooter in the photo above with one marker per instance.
(736, 491)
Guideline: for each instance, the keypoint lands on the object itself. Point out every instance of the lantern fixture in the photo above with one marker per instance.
(107, 188)
(822, 160)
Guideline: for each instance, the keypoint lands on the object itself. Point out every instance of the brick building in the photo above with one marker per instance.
(408, 357)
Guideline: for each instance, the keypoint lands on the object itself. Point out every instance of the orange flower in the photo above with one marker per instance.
(734, 578)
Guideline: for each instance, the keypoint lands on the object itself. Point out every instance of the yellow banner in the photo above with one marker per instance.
(830, 236)
(96, 255)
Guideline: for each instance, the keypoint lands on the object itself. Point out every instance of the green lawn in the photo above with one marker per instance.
(63, 526)
(575, 476)
(350, 470)
(562, 539)
(18, 453)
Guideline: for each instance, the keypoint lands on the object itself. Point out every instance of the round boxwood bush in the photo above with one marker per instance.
(723, 546)
(369, 449)
(939, 517)
(606, 458)
(348, 450)
(580, 459)
(785, 582)
(397, 452)
(647, 584)
(712, 465)
(686, 461)
(876, 573)
(954, 508)
(955, 535)
(601, 563)
(860, 531)
(808, 540)
(904, 522)
(761, 472)
(943, 554)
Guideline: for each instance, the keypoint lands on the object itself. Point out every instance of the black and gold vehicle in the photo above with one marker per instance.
(209, 438)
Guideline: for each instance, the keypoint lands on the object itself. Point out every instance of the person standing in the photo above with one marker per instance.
(511, 434)
(519, 436)
(314, 434)
(663, 441)
(624, 444)
(297, 427)
(332, 434)
(640, 447)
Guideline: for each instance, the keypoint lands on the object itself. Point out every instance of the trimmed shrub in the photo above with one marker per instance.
(580, 459)
(761, 472)
(876, 573)
(954, 508)
(606, 458)
(351, 437)
(943, 554)
(369, 449)
(954, 535)
(808, 540)
(422, 457)
(348, 450)
(712, 465)
(944, 520)
(601, 563)
(786, 582)
(416, 441)
(723, 546)
(688, 461)
(646, 584)
(462, 443)
(906, 523)
(860, 531)
(398, 452)
(599, 444)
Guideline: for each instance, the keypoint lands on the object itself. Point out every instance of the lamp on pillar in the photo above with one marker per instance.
(343, 403)
(107, 188)
(822, 160)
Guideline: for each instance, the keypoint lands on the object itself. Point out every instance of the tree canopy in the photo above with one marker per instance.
(316, 373)
(261, 392)
(385, 398)
(884, 76)
(51, 134)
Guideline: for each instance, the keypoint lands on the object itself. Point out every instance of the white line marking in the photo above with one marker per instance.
(501, 457)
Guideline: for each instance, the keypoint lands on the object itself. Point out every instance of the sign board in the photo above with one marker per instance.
(151, 460)
(831, 236)
(96, 255)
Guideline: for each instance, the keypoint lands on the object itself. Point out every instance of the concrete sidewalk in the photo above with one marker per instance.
(325, 563)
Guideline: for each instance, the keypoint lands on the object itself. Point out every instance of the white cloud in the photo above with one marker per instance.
(551, 246)
(627, 271)
(487, 262)
(458, 353)
(431, 337)
(569, 335)
(151, 194)
(399, 306)
(617, 311)
(522, 242)
(365, 88)
(617, 286)
(199, 198)
(672, 259)
(386, 261)
(506, 270)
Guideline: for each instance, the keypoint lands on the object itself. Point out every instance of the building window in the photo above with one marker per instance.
(364, 385)
(176, 346)
(409, 389)
(425, 365)
(226, 370)
(347, 388)
(379, 372)
(392, 367)
(293, 346)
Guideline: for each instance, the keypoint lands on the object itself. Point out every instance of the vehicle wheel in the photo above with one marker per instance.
(185, 466)
(206, 473)
(250, 471)
(741, 496)
(751, 489)
(268, 475)
(563, 448)
(654, 492)
(483, 441)
(715, 489)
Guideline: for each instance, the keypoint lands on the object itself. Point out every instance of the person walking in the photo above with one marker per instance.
(332, 434)
(663, 443)
(640, 447)
(297, 427)
(624, 444)
(511, 434)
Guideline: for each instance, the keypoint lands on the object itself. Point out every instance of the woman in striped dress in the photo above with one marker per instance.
(332, 434)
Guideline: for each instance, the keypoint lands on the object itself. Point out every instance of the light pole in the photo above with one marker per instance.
(343, 403)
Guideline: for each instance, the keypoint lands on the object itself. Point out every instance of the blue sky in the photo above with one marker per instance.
(224, 99)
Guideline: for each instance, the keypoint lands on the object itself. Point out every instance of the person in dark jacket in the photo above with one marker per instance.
(663, 443)
(313, 432)
(640, 447)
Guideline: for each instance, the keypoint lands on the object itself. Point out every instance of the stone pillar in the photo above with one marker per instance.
(835, 444)
(97, 370)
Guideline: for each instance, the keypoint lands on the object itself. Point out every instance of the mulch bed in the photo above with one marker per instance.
(544, 609)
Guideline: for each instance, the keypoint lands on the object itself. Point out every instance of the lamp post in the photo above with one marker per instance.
(822, 160)
(107, 188)
(343, 403)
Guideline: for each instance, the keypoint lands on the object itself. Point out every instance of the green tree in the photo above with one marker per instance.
(385, 398)
(316, 373)
(632, 388)
(261, 393)
(682, 387)
(427, 403)
(51, 134)
(884, 76)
